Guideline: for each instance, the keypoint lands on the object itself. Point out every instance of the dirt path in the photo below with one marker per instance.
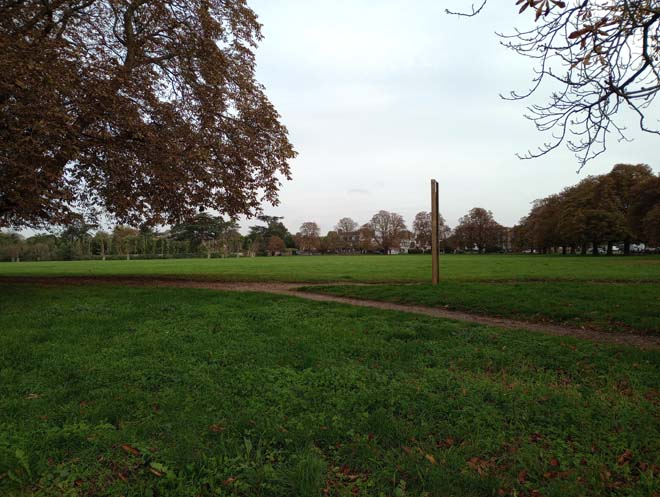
(291, 289)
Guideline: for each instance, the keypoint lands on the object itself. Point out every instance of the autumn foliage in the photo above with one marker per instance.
(142, 110)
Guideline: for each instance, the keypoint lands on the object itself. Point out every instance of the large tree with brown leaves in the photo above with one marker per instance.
(144, 110)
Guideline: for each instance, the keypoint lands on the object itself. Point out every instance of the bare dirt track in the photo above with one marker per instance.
(292, 289)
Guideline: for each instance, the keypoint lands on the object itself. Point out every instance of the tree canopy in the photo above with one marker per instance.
(618, 206)
(142, 110)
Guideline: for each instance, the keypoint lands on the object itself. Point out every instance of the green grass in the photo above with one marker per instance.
(602, 306)
(179, 392)
(413, 268)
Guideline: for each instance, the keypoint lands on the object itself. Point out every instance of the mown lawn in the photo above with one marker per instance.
(178, 392)
(633, 307)
(370, 268)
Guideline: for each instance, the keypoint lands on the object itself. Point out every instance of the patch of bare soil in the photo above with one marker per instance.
(291, 289)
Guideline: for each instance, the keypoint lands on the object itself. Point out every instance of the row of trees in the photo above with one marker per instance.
(621, 207)
(209, 236)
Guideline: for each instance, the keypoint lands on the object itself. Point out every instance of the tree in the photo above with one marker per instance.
(276, 245)
(645, 210)
(331, 242)
(609, 208)
(347, 233)
(274, 227)
(103, 240)
(11, 246)
(76, 239)
(624, 178)
(422, 229)
(595, 57)
(124, 240)
(478, 229)
(308, 238)
(651, 225)
(388, 228)
(204, 232)
(366, 235)
(144, 110)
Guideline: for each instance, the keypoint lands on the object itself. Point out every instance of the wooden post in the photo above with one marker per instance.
(435, 278)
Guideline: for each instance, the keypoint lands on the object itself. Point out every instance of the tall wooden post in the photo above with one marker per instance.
(434, 233)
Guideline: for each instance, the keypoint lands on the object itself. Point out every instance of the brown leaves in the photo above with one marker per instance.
(542, 7)
(97, 133)
(446, 443)
(481, 466)
(129, 449)
(156, 472)
(624, 458)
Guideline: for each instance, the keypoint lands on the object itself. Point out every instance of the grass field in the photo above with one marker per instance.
(412, 268)
(619, 294)
(633, 307)
(178, 392)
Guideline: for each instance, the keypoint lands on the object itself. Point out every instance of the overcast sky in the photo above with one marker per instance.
(379, 96)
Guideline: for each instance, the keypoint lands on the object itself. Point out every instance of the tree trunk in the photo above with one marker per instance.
(584, 248)
(563, 250)
(594, 248)
(626, 246)
(610, 248)
(128, 256)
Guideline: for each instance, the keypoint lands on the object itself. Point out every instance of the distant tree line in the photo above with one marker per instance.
(601, 213)
(618, 208)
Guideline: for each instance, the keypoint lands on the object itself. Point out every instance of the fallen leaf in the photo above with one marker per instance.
(522, 476)
(554, 462)
(155, 472)
(479, 465)
(430, 458)
(625, 457)
(130, 449)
